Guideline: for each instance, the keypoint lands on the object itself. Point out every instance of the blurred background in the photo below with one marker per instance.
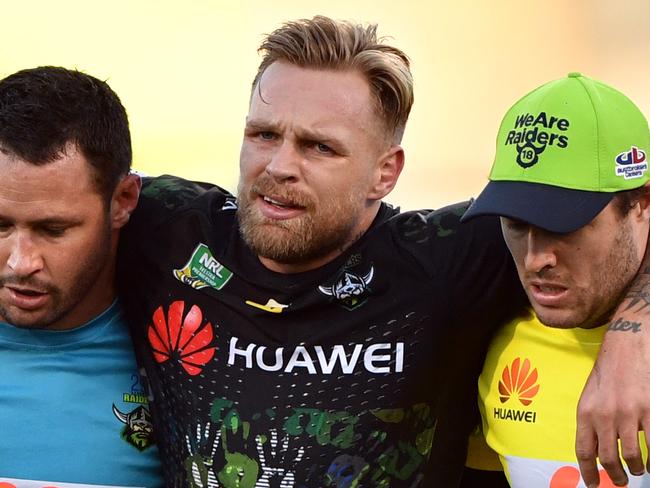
(183, 70)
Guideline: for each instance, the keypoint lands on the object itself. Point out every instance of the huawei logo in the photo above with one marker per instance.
(518, 380)
(182, 337)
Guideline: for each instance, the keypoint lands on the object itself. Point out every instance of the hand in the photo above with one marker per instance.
(615, 403)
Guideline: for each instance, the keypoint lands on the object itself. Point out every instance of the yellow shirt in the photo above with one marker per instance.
(529, 390)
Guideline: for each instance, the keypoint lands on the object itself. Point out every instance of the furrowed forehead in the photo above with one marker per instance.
(317, 100)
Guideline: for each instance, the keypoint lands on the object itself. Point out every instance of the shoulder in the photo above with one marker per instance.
(437, 237)
(444, 223)
(165, 196)
(172, 193)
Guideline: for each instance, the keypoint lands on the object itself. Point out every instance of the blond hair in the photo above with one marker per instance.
(324, 43)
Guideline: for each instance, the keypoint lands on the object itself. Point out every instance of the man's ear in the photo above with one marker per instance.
(390, 166)
(644, 203)
(124, 199)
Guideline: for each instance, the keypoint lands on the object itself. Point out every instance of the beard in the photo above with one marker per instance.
(320, 230)
(616, 275)
(607, 288)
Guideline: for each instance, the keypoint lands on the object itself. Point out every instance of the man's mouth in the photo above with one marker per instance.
(549, 294)
(25, 298)
(279, 208)
(551, 288)
(26, 291)
(277, 203)
(282, 202)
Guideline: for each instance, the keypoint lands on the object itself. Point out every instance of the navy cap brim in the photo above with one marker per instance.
(552, 208)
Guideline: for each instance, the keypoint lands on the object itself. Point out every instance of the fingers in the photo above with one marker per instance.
(610, 460)
(604, 445)
(630, 449)
(586, 452)
(597, 439)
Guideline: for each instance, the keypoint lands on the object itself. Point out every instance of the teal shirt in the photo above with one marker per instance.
(73, 407)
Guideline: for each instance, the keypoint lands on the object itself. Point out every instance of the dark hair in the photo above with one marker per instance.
(324, 43)
(624, 201)
(45, 109)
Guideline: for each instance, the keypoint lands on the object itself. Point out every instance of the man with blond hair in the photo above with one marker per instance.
(305, 334)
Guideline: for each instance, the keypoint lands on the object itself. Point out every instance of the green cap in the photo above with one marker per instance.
(562, 152)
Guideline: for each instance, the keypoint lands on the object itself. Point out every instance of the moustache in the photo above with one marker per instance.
(265, 185)
(27, 282)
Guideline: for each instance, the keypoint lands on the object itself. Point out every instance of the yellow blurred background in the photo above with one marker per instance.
(183, 70)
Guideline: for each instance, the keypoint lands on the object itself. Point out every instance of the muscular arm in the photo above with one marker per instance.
(615, 403)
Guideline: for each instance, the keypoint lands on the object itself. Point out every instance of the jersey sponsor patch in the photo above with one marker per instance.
(631, 164)
(271, 305)
(379, 358)
(518, 385)
(520, 381)
(181, 336)
(186, 338)
(202, 270)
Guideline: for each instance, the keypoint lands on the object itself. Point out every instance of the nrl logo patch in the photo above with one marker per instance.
(203, 270)
(350, 290)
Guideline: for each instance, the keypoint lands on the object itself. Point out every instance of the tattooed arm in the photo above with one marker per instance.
(615, 403)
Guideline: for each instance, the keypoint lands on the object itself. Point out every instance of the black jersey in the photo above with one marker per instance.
(361, 373)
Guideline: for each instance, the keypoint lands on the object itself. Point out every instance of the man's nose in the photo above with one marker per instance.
(24, 257)
(285, 162)
(540, 251)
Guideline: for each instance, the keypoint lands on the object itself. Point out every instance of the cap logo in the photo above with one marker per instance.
(533, 133)
(631, 164)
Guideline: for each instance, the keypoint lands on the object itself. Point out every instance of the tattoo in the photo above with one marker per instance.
(638, 295)
(625, 326)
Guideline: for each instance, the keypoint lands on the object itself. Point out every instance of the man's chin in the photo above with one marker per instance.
(26, 321)
(275, 241)
(41, 318)
(558, 318)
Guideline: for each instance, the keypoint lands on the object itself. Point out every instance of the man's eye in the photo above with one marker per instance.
(323, 148)
(4, 226)
(54, 231)
(266, 135)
